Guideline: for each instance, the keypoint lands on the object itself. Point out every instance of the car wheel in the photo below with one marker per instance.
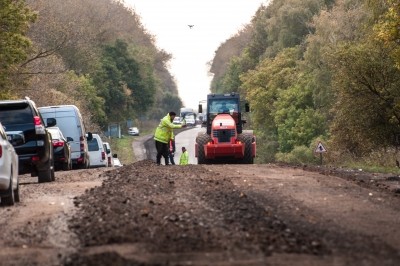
(16, 193)
(81, 166)
(53, 175)
(8, 200)
(46, 174)
(66, 166)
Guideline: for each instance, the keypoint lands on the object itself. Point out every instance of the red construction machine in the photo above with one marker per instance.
(225, 140)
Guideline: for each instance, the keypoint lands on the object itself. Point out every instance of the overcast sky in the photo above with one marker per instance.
(192, 48)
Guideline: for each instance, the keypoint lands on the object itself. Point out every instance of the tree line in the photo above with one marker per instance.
(95, 54)
(318, 70)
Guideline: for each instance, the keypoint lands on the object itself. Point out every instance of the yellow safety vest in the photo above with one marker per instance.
(164, 131)
(184, 160)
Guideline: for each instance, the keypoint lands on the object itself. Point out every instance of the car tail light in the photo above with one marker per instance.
(82, 145)
(35, 158)
(39, 127)
(36, 121)
(58, 143)
(103, 155)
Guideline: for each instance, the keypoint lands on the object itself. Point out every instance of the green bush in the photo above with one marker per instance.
(266, 148)
(299, 155)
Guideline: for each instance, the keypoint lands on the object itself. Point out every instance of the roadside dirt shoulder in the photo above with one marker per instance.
(376, 181)
(35, 231)
(140, 147)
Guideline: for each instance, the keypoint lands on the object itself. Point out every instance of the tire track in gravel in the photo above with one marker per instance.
(37, 229)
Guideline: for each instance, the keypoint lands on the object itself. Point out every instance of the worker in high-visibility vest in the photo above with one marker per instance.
(184, 160)
(163, 135)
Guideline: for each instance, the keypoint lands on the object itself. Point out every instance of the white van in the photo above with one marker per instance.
(69, 120)
(97, 154)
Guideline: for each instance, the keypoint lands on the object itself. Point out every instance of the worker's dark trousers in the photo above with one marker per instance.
(171, 158)
(162, 150)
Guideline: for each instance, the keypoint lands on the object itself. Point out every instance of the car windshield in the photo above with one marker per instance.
(93, 145)
(55, 133)
(16, 114)
(67, 125)
(223, 106)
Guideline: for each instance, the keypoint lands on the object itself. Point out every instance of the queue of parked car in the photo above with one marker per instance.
(40, 141)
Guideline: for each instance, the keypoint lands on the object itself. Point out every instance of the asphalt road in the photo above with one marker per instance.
(187, 139)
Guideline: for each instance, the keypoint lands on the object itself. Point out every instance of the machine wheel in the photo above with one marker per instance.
(247, 140)
(201, 140)
(9, 199)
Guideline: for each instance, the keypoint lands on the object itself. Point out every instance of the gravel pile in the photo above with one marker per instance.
(163, 211)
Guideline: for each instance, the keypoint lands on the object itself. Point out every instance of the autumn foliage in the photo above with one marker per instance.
(320, 70)
(94, 53)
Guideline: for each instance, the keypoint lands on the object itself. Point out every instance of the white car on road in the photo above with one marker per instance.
(133, 131)
(97, 154)
(177, 120)
(9, 183)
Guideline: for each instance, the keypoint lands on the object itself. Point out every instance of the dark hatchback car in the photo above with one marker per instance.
(61, 148)
(31, 140)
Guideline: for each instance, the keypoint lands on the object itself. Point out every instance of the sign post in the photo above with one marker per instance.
(320, 149)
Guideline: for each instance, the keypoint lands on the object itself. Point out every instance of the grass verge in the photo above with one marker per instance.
(123, 147)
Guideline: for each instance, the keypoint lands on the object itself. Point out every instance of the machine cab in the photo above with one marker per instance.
(223, 104)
